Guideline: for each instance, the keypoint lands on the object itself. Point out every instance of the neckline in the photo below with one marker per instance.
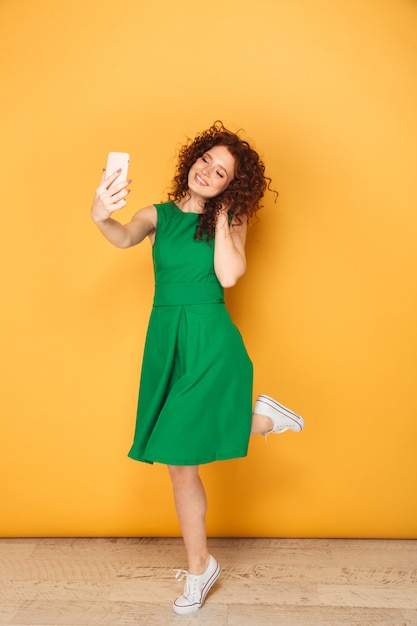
(184, 212)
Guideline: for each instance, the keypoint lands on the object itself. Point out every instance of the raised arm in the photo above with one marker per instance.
(112, 197)
(229, 250)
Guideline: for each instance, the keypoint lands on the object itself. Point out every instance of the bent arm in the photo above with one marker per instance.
(143, 224)
(229, 250)
(110, 197)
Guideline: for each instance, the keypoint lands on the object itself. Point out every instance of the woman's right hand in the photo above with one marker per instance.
(109, 197)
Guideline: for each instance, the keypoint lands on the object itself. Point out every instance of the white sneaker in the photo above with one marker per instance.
(196, 588)
(283, 418)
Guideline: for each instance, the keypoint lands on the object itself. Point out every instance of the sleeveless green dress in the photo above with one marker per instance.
(195, 398)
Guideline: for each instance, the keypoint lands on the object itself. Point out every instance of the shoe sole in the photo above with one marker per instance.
(297, 422)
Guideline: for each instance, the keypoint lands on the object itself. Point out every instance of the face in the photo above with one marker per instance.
(212, 172)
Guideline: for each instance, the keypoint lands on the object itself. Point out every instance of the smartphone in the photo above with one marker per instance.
(116, 161)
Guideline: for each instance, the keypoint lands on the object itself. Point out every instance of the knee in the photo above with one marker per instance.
(181, 474)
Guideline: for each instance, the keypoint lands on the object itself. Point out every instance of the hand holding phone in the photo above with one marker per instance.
(111, 196)
(117, 161)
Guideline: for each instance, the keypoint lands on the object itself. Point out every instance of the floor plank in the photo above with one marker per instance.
(290, 582)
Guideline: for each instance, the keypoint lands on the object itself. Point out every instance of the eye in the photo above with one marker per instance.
(220, 174)
(205, 159)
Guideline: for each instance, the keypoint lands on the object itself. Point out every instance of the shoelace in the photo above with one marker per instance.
(191, 591)
(181, 574)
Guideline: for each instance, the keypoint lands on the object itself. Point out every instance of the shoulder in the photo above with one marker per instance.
(164, 208)
(165, 212)
(155, 215)
(147, 214)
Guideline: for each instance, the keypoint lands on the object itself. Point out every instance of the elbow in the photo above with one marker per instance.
(123, 245)
(228, 280)
(228, 273)
(124, 242)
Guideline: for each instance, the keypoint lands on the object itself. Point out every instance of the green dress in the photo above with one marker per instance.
(195, 398)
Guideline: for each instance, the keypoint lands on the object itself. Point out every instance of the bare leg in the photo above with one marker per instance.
(261, 424)
(191, 504)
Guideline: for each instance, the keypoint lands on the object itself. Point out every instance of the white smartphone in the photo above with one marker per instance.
(116, 161)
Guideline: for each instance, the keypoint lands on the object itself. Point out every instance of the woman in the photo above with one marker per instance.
(195, 400)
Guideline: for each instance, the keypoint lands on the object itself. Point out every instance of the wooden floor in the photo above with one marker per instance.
(288, 582)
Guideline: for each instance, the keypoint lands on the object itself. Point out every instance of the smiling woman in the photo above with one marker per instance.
(327, 307)
(195, 399)
(211, 173)
(240, 191)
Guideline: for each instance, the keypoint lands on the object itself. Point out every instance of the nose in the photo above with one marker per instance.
(206, 169)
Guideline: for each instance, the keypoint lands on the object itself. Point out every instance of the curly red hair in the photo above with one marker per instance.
(244, 193)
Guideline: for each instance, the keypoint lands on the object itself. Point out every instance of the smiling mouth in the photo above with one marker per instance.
(200, 181)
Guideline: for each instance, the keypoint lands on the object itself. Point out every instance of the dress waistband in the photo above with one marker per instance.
(168, 294)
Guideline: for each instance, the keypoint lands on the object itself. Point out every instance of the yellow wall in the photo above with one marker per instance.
(327, 92)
